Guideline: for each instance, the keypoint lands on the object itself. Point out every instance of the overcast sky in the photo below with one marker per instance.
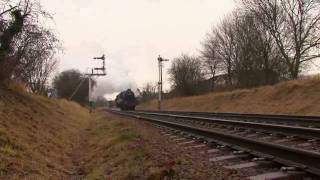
(131, 34)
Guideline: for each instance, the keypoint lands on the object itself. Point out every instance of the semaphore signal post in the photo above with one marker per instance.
(97, 71)
(160, 83)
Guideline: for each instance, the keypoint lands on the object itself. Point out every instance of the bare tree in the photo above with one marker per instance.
(36, 48)
(25, 44)
(258, 60)
(225, 46)
(37, 79)
(9, 28)
(186, 74)
(242, 49)
(147, 92)
(295, 27)
(212, 64)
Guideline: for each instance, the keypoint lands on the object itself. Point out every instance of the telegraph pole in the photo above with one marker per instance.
(160, 84)
(90, 91)
(98, 71)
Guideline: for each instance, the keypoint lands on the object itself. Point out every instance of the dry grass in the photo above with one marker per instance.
(122, 148)
(35, 135)
(118, 150)
(292, 97)
(43, 138)
(17, 87)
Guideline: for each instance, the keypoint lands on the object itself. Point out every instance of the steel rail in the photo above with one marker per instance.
(306, 120)
(312, 133)
(302, 159)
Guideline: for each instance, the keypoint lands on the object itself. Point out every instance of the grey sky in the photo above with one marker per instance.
(132, 34)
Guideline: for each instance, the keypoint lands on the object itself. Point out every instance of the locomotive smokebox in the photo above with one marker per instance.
(126, 100)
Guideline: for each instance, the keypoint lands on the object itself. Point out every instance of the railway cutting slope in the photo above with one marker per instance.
(292, 97)
(37, 135)
(57, 139)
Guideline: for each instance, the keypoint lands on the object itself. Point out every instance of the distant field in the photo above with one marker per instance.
(292, 97)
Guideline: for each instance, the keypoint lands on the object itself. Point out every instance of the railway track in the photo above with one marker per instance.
(295, 147)
(296, 130)
(309, 121)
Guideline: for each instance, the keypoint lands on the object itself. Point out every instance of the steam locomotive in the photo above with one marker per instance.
(126, 100)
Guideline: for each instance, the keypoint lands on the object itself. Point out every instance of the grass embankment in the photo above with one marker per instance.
(292, 97)
(35, 135)
(57, 139)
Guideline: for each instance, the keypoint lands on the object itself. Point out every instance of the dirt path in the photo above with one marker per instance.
(79, 150)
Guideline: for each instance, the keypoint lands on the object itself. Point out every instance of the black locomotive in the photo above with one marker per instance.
(126, 100)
